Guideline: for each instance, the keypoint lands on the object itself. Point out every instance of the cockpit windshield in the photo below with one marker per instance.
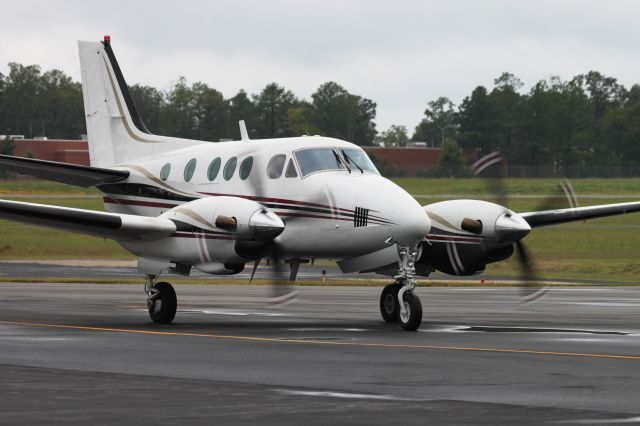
(313, 160)
(359, 159)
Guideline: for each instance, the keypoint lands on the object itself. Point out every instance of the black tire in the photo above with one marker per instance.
(389, 306)
(163, 309)
(414, 317)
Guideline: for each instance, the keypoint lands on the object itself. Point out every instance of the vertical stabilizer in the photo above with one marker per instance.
(115, 129)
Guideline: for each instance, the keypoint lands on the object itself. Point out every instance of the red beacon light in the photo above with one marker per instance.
(107, 40)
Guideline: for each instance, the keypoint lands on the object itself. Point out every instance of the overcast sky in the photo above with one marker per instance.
(401, 54)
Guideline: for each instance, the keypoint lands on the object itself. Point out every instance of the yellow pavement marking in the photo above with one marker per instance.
(322, 342)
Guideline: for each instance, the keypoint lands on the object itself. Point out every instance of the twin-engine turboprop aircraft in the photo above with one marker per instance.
(179, 204)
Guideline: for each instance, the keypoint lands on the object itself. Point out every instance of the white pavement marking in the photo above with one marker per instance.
(232, 313)
(602, 421)
(328, 329)
(345, 395)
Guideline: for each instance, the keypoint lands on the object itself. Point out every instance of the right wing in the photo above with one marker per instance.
(555, 217)
(115, 226)
(72, 174)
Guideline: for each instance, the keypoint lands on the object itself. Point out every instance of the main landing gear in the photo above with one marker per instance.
(398, 302)
(162, 302)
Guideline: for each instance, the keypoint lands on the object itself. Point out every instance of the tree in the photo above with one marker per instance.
(451, 163)
(272, 106)
(23, 91)
(440, 121)
(393, 136)
(7, 147)
(241, 108)
(339, 114)
(476, 122)
(151, 105)
(300, 119)
(180, 117)
(210, 111)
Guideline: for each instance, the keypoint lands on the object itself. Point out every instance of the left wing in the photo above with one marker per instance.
(555, 217)
(99, 224)
(72, 174)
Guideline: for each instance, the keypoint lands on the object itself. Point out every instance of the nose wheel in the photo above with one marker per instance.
(411, 316)
(389, 307)
(162, 302)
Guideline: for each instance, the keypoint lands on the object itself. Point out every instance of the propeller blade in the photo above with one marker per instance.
(494, 175)
(281, 291)
(255, 268)
(531, 289)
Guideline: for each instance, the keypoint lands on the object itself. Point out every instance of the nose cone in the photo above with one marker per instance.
(511, 227)
(265, 224)
(411, 221)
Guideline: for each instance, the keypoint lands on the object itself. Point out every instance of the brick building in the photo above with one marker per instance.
(411, 160)
(64, 151)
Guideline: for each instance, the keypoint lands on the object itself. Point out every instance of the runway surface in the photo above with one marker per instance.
(13, 269)
(87, 353)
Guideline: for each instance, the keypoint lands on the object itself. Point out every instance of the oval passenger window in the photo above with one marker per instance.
(214, 168)
(276, 166)
(230, 168)
(245, 167)
(164, 172)
(189, 169)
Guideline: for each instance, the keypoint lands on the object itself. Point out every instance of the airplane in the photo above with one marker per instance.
(180, 204)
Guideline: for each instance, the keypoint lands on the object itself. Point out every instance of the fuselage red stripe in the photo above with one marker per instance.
(277, 200)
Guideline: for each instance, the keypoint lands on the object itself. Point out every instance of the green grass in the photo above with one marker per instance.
(42, 187)
(541, 187)
(604, 249)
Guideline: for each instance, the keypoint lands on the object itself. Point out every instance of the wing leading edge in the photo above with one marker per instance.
(72, 174)
(99, 224)
(555, 217)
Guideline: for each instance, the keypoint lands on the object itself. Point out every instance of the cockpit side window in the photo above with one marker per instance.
(291, 170)
(276, 166)
(312, 160)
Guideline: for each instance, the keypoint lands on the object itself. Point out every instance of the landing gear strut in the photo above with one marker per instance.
(408, 305)
(162, 302)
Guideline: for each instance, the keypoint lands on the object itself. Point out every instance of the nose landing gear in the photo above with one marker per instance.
(162, 302)
(398, 302)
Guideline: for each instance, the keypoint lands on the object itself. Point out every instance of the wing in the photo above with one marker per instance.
(554, 217)
(72, 174)
(122, 227)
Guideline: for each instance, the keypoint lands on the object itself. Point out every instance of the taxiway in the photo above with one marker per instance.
(87, 353)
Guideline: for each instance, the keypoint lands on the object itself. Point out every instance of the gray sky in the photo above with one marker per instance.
(401, 54)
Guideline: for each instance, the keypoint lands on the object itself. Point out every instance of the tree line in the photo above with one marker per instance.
(589, 120)
(35, 103)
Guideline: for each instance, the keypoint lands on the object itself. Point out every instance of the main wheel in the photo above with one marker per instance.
(389, 306)
(411, 320)
(162, 309)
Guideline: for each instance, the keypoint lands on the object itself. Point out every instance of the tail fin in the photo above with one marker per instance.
(115, 129)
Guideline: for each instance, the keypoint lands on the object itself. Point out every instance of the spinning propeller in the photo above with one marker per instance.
(531, 288)
(263, 243)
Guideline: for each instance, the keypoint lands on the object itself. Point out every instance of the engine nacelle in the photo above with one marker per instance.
(219, 268)
(208, 232)
(467, 235)
(238, 216)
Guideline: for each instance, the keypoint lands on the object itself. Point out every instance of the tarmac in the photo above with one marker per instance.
(88, 353)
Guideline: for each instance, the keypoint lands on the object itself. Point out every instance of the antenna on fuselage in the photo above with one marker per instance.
(244, 135)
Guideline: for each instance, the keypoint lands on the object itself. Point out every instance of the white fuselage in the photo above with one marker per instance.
(328, 213)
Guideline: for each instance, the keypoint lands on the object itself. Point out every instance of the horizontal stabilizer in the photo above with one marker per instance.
(72, 174)
(122, 227)
(555, 217)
